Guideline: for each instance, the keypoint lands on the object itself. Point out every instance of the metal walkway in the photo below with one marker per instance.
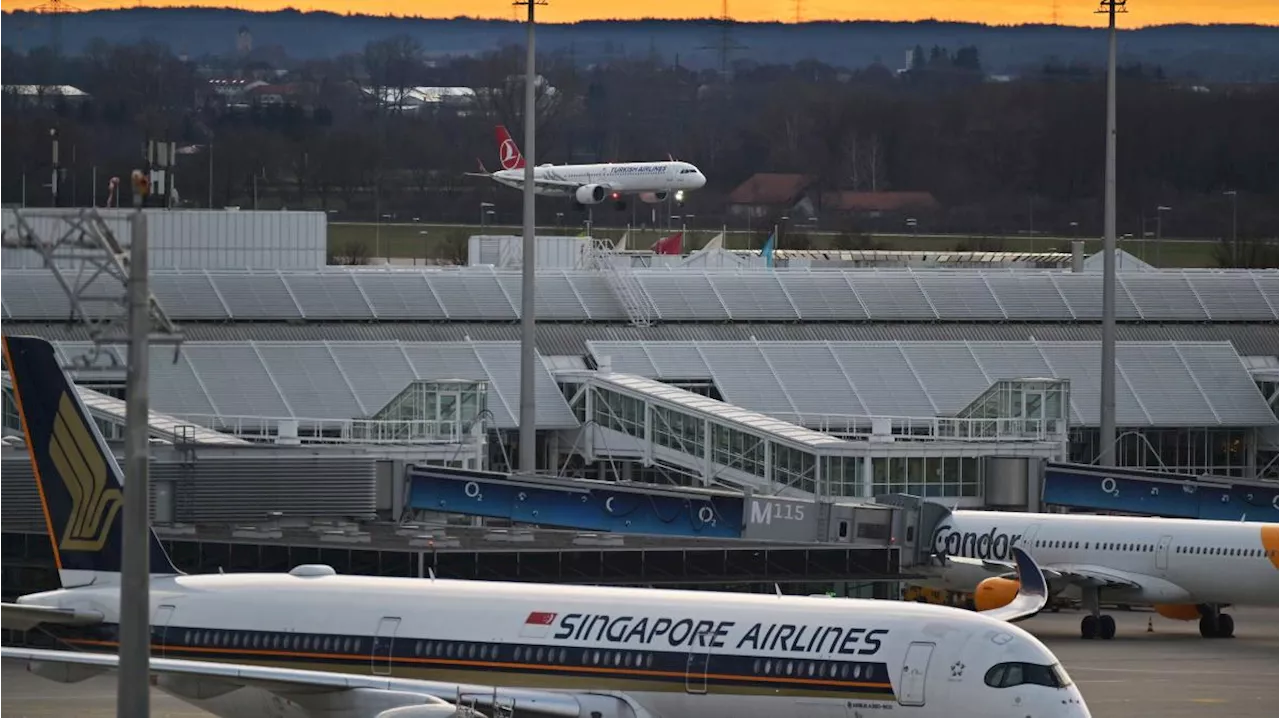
(162, 426)
(628, 418)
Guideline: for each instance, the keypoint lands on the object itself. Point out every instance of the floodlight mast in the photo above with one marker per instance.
(1107, 413)
(528, 409)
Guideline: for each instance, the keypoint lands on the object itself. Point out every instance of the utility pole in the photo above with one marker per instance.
(53, 181)
(529, 253)
(1107, 432)
(133, 695)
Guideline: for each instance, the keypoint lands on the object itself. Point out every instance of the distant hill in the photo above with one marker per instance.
(1213, 53)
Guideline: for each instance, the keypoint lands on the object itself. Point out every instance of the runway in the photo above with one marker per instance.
(1171, 672)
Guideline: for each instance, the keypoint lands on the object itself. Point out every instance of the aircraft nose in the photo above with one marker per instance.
(1072, 705)
(701, 180)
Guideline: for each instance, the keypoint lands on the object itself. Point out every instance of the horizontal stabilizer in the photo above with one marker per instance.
(1033, 591)
(20, 617)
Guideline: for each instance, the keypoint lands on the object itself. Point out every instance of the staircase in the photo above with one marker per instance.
(624, 283)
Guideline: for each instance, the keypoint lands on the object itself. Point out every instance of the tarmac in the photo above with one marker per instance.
(1170, 672)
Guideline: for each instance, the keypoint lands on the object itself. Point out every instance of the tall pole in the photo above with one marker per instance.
(528, 409)
(1107, 431)
(133, 695)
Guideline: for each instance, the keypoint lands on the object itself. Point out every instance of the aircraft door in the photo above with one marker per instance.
(1162, 553)
(160, 635)
(697, 663)
(915, 670)
(383, 643)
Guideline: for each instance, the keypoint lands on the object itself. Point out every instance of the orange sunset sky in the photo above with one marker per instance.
(1001, 12)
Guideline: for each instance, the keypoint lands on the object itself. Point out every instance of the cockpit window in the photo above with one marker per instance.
(1008, 675)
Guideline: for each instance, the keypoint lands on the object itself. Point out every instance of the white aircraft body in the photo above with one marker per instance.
(652, 182)
(1187, 569)
(311, 643)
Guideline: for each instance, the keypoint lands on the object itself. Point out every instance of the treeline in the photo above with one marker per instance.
(1001, 157)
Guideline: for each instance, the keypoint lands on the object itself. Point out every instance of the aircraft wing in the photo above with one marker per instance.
(21, 617)
(1078, 574)
(1033, 591)
(321, 691)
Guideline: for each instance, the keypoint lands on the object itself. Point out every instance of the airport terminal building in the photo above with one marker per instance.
(308, 393)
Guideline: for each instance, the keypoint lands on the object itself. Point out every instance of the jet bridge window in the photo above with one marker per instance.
(1008, 675)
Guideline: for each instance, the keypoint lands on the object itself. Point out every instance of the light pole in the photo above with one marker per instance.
(484, 212)
(528, 410)
(1159, 214)
(1107, 410)
(1235, 256)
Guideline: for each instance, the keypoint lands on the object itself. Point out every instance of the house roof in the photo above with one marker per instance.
(770, 188)
(847, 201)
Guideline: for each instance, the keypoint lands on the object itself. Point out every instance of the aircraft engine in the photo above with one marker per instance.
(590, 194)
(1179, 611)
(653, 197)
(995, 593)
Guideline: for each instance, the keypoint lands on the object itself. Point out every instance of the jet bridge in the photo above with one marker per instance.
(111, 411)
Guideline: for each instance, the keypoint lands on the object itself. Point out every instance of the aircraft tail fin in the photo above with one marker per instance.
(508, 152)
(79, 482)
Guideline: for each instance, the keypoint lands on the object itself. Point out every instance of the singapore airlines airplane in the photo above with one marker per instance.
(311, 643)
(1187, 569)
(593, 184)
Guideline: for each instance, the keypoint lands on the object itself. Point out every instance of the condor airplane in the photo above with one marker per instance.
(1187, 569)
(593, 184)
(310, 643)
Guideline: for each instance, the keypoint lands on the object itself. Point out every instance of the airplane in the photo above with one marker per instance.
(312, 643)
(653, 182)
(1188, 569)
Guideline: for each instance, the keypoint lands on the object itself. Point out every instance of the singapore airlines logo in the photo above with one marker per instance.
(84, 472)
(508, 153)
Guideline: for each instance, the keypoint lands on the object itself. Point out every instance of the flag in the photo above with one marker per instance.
(621, 245)
(767, 250)
(673, 244)
(537, 625)
(717, 242)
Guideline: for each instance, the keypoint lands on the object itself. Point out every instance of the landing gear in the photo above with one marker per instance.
(1095, 625)
(1102, 626)
(1215, 624)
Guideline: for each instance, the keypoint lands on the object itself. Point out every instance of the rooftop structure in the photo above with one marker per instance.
(482, 294)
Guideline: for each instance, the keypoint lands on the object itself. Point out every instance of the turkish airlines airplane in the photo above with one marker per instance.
(310, 643)
(653, 182)
(1187, 569)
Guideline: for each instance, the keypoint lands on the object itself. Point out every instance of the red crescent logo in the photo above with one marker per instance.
(508, 153)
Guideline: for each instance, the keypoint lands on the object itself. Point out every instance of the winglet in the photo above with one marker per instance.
(1033, 591)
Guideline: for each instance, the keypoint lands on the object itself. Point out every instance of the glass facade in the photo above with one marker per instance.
(926, 475)
(842, 475)
(1218, 450)
(737, 450)
(679, 431)
(619, 412)
(432, 409)
(794, 468)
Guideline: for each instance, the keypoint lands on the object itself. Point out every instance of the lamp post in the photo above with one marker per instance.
(1235, 256)
(528, 410)
(1107, 408)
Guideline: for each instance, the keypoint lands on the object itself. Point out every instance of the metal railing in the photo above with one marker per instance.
(934, 428)
(333, 431)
